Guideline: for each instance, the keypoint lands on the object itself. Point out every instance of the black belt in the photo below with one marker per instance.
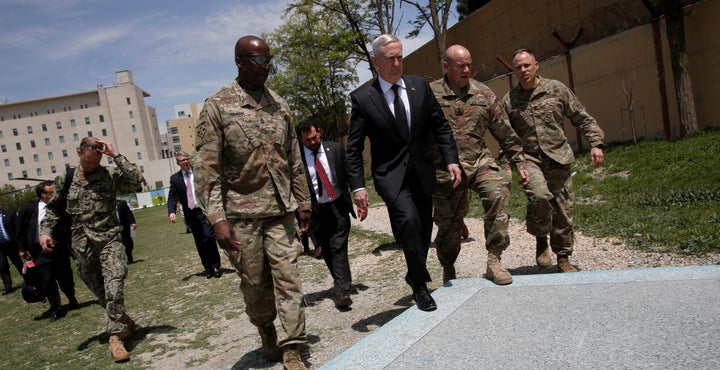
(327, 204)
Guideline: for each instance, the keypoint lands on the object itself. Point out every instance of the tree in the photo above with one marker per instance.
(675, 32)
(314, 65)
(435, 13)
(465, 7)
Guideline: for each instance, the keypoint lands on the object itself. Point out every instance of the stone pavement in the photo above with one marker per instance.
(655, 318)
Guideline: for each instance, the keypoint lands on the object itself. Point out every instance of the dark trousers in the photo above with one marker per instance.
(128, 242)
(53, 273)
(204, 236)
(333, 222)
(411, 220)
(9, 251)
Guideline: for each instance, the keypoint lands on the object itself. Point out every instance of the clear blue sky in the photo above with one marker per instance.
(179, 51)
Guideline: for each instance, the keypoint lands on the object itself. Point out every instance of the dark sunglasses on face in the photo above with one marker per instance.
(260, 60)
(96, 146)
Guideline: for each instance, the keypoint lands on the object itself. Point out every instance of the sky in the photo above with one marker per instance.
(179, 51)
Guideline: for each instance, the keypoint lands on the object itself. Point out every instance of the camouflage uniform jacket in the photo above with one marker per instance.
(471, 115)
(248, 161)
(537, 117)
(91, 202)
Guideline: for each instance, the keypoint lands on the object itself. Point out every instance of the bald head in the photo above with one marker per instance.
(252, 57)
(457, 63)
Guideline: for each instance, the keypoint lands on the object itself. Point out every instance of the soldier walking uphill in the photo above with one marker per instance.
(96, 245)
(472, 109)
(537, 108)
(249, 178)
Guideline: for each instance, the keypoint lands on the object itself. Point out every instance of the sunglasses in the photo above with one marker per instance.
(98, 147)
(260, 60)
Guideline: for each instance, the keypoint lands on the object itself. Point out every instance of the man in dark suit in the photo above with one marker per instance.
(52, 264)
(201, 229)
(399, 114)
(325, 170)
(8, 249)
(127, 221)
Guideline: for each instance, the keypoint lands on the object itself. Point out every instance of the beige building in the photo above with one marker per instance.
(39, 137)
(181, 130)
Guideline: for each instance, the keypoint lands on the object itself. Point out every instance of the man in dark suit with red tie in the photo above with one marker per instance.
(325, 170)
(182, 190)
(400, 115)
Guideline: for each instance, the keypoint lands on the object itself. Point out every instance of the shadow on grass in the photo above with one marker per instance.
(203, 274)
(386, 247)
(139, 334)
(65, 310)
(312, 298)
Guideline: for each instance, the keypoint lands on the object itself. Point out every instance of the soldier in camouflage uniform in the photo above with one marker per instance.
(472, 108)
(537, 108)
(96, 240)
(250, 178)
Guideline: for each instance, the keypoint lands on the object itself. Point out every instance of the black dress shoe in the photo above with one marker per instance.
(342, 299)
(73, 305)
(217, 273)
(424, 300)
(55, 315)
(6, 292)
(209, 274)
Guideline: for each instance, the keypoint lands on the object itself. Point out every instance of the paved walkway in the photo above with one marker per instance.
(644, 318)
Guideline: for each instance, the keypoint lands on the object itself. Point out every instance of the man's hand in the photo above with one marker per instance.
(133, 226)
(362, 201)
(172, 217)
(524, 174)
(596, 157)
(46, 243)
(305, 220)
(455, 174)
(225, 236)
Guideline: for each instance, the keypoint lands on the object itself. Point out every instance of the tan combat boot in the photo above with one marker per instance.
(268, 334)
(117, 349)
(564, 265)
(448, 274)
(495, 270)
(542, 252)
(292, 359)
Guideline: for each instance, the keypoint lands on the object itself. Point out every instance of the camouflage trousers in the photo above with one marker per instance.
(451, 205)
(269, 278)
(550, 204)
(101, 265)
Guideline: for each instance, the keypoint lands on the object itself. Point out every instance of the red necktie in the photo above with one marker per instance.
(324, 180)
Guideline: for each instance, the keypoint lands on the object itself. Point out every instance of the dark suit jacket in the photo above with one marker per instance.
(391, 153)
(126, 217)
(8, 220)
(336, 160)
(177, 193)
(27, 228)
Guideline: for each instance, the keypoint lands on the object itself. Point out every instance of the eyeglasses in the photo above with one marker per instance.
(260, 60)
(95, 146)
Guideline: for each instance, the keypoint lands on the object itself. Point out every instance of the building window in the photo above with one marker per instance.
(15, 132)
(131, 114)
(90, 133)
(32, 143)
(64, 153)
(173, 130)
(128, 101)
(142, 169)
(10, 176)
(134, 129)
(44, 127)
(62, 139)
(36, 158)
(58, 124)
(53, 169)
(137, 142)
(3, 148)
(72, 123)
(109, 160)
(76, 137)
(175, 139)
(22, 160)
(1, 134)
(104, 132)
(18, 146)
(29, 128)
(51, 156)
(87, 120)
(139, 155)
(24, 173)
(177, 148)
(102, 118)
(39, 171)
(47, 141)
(7, 162)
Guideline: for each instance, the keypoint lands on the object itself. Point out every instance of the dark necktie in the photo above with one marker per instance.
(324, 182)
(400, 115)
(3, 237)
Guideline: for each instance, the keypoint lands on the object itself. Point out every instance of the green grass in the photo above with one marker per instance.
(659, 196)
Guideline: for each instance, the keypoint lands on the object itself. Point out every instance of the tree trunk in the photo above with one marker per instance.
(675, 24)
